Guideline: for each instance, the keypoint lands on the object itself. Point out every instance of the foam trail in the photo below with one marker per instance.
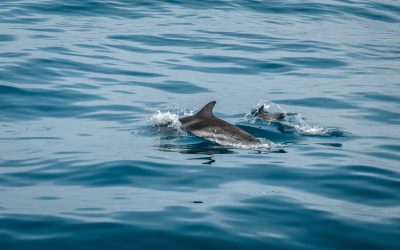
(263, 145)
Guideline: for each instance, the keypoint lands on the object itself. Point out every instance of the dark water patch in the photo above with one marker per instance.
(195, 148)
(57, 49)
(319, 11)
(22, 20)
(7, 38)
(310, 10)
(381, 115)
(391, 147)
(268, 211)
(86, 215)
(90, 209)
(178, 87)
(368, 14)
(233, 70)
(392, 97)
(65, 51)
(16, 104)
(50, 30)
(47, 198)
(14, 54)
(218, 59)
(210, 70)
(170, 227)
(120, 198)
(387, 7)
(79, 86)
(335, 145)
(305, 46)
(169, 40)
(107, 80)
(323, 102)
(33, 74)
(28, 162)
(87, 8)
(247, 36)
(273, 67)
(124, 92)
(70, 152)
(84, 134)
(46, 70)
(215, 4)
(385, 155)
(13, 95)
(310, 62)
(61, 51)
(195, 42)
(42, 37)
(138, 49)
(250, 64)
(90, 46)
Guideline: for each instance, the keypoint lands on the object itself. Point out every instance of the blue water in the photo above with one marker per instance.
(92, 156)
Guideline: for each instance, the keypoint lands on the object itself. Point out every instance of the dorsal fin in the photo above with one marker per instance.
(206, 111)
(261, 109)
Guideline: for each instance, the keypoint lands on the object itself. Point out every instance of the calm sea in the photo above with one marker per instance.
(92, 156)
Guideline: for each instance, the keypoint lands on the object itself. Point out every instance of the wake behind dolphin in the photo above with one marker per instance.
(205, 125)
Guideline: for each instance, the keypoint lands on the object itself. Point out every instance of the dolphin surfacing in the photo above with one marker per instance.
(205, 125)
(266, 116)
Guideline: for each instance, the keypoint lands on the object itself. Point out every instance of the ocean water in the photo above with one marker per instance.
(92, 155)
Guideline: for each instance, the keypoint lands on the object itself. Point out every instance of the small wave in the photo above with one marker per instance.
(293, 122)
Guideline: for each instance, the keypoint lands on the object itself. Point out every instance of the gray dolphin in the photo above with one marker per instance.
(205, 125)
(265, 115)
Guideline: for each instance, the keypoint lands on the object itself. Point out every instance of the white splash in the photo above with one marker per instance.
(165, 119)
(293, 122)
(169, 119)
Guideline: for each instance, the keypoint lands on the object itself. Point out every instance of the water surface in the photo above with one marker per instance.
(85, 86)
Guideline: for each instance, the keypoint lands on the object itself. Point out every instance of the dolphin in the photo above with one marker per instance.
(205, 125)
(266, 116)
